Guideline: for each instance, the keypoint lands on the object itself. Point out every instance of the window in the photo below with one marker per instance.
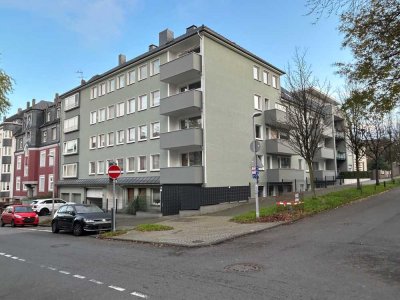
(71, 124)
(111, 85)
(142, 164)
(258, 129)
(92, 142)
(265, 77)
(48, 116)
(93, 117)
(256, 73)
(142, 72)
(194, 122)
(100, 167)
(266, 104)
(257, 102)
(155, 162)
(70, 170)
(284, 162)
(102, 89)
(260, 160)
(192, 86)
(101, 140)
(191, 159)
(142, 102)
(300, 164)
(274, 81)
(51, 182)
(120, 163)
(6, 168)
(120, 137)
(155, 99)
(42, 162)
(110, 139)
(41, 183)
(51, 156)
(93, 92)
(7, 134)
(92, 167)
(7, 150)
(26, 170)
(44, 136)
(54, 133)
(18, 183)
(102, 115)
(20, 144)
(130, 164)
(155, 197)
(19, 160)
(143, 133)
(120, 109)
(70, 147)
(120, 81)
(155, 67)
(110, 112)
(130, 132)
(155, 130)
(5, 186)
(130, 106)
(131, 76)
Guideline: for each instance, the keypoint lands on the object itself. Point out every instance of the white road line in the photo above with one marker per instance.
(79, 276)
(21, 259)
(14, 257)
(1, 253)
(96, 281)
(7, 255)
(116, 288)
(64, 272)
(140, 295)
(51, 268)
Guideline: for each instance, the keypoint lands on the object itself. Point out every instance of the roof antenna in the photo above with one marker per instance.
(80, 76)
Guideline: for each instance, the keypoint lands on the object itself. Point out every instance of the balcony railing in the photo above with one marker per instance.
(340, 155)
(181, 175)
(278, 146)
(187, 139)
(181, 104)
(182, 69)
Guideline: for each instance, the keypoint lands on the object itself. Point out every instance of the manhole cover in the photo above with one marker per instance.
(243, 267)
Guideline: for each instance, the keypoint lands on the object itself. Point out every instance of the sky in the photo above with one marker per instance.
(44, 43)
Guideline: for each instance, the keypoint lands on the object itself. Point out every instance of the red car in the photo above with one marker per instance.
(19, 215)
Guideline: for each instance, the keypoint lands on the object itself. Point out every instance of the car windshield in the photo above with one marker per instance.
(23, 209)
(83, 209)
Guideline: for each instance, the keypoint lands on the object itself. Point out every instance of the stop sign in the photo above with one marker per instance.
(114, 171)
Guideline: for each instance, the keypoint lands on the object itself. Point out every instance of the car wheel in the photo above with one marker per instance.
(2, 223)
(12, 223)
(44, 211)
(54, 227)
(78, 229)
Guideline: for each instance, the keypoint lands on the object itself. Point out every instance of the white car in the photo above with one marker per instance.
(44, 206)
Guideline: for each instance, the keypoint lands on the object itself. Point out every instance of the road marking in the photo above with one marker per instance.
(96, 281)
(79, 276)
(116, 288)
(21, 259)
(139, 295)
(51, 268)
(64, 272)
(14, 257)
(1, 253)
(34, 229)
(7, 255)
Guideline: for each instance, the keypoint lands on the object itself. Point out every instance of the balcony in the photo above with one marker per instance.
(181, 175)
(340, 155)
(277, 175)
(181, 104)
(275, 117)
(339, 134)
(186, 139)
(278, 146)
(324, 153)
(322, 174)
(182, 69)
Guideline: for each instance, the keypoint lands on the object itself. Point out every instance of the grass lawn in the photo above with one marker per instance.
(312, 206)
(109, 234)
(152, 227)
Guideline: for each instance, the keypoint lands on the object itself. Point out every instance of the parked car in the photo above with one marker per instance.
(79, 218)
(19, 215)
(44, 206)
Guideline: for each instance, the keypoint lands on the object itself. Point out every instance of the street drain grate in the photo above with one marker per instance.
(243, 267)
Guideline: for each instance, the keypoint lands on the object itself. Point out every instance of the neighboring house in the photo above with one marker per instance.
(36, 153)
(177, 119)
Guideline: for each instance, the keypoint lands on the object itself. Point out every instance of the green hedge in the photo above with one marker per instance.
(353, 174)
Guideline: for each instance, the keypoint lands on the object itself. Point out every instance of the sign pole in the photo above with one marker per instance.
(114, 172)
(114, 225)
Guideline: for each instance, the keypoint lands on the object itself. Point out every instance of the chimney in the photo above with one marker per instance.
(33, 102)
(164, 37)
(19, 110)
(4, 118)
(28, 104)
(121, 59)
(83, 81)
(191, 28)
(152, 47)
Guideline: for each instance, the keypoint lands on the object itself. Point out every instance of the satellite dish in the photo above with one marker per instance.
(256, 145)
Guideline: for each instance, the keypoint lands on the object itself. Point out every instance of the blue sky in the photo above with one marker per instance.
(44, 42)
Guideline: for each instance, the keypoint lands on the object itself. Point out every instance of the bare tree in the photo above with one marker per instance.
(307, 114)
(354, 110)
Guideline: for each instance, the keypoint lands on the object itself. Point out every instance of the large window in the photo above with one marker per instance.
(194, 122)
(70, 170)
(265, 77)
(131, 76)
(155, 130)
(71, 102)
(70, 147)
(18, 183)
(42, 162)
(7, 150)
(284, 162)
(93, 117)
(92, 142)
(92, 167)
(155, 99)
(257, 102)
(6, 168)
(120, 109)
(100, 167)
(155, 162)
(258, 129)
(110, 112)
(274, 81)
(19, 162)
(256, 73)
(110, 139)
(155, 67)
(120, 137)
(142, 102)
(101, 140)
(41, 183)
(130, 106)
(93, 92)
(5, 186)
(102, 89)
(111, 85)
(54, 133)
(71, 124)
(130, 164)
(143, 133)
(102, 115)
(142, 72)
(51, 156)
(142, 164)
(191, 159)
(120, 81)
(131, 136)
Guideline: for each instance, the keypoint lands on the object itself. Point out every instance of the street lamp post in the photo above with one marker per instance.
(54, 185)
(256, 114)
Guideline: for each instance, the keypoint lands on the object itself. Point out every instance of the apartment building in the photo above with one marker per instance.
(177, 119)
(36, 149)
(6, 156)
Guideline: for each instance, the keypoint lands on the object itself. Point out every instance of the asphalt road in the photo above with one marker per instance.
(349, 253)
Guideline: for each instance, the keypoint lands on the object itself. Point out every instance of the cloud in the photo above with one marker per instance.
(93, 20)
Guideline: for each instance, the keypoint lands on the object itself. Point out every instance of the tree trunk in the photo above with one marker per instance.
(376, 175)
(312, 180)
(358, 173)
